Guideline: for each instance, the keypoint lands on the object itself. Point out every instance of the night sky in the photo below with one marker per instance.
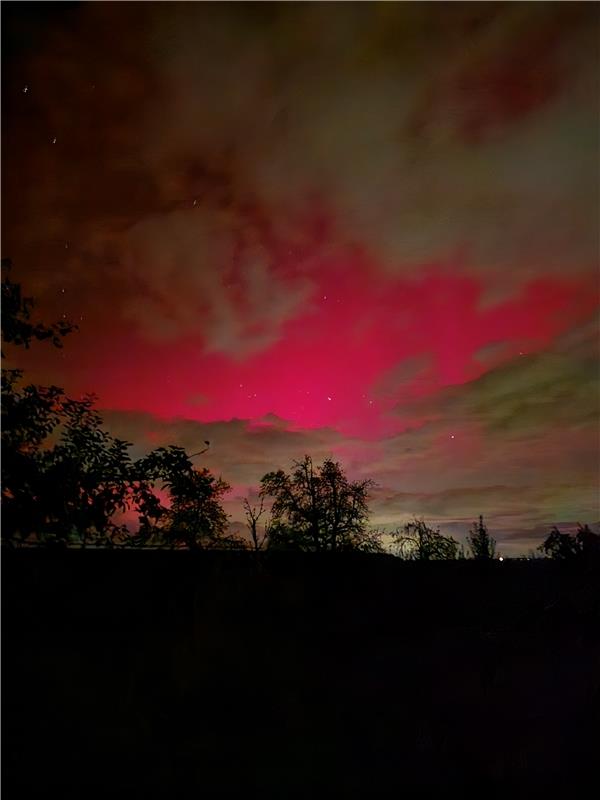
(360, 230)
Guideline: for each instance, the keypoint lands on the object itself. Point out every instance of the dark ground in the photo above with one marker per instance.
(141, 674)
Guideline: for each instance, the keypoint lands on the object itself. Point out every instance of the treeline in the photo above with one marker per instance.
(317, 509)
(67, 482)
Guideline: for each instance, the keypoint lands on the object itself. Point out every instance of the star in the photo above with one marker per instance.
(25, 89)
(54, 140)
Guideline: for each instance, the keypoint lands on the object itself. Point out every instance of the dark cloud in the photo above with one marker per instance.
(262, 117)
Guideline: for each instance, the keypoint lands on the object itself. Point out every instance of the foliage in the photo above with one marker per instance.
(66, 480)
(17, 326)
(196, 517)
(481, 544)
(585, 544)
(317, 508)
(418, 542)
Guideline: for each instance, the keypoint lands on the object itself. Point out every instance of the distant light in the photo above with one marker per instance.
(25, 89)
(500, 559)
(54, 140)
(452, 436)
(324, 297)
(329, 398)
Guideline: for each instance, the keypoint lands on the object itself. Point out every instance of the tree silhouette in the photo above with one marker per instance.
(17, 325)
(85, 479)
(66, 480)
(196, 517)
(588, 543)
(584, 545)
(253, 517)
(481, 544)
(318, 508)
(30, 414)
(418, 542)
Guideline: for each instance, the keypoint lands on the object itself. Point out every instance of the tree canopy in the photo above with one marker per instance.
(585, 544)
(481, 544)
(65, 479)
(317, 508)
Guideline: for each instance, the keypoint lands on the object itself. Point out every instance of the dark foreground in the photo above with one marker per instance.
(165, 674)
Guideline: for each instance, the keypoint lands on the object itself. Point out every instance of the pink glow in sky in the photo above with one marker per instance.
(330, 363)
(368, 230)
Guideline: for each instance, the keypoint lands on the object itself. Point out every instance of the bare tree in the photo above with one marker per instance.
(260, 533)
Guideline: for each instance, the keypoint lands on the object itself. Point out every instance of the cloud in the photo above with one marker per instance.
(504, 505)
(554, 387)
(519, 444)
(192, 271)
(411, 376)
(241, 450)
(387, 141)
(215, 141)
